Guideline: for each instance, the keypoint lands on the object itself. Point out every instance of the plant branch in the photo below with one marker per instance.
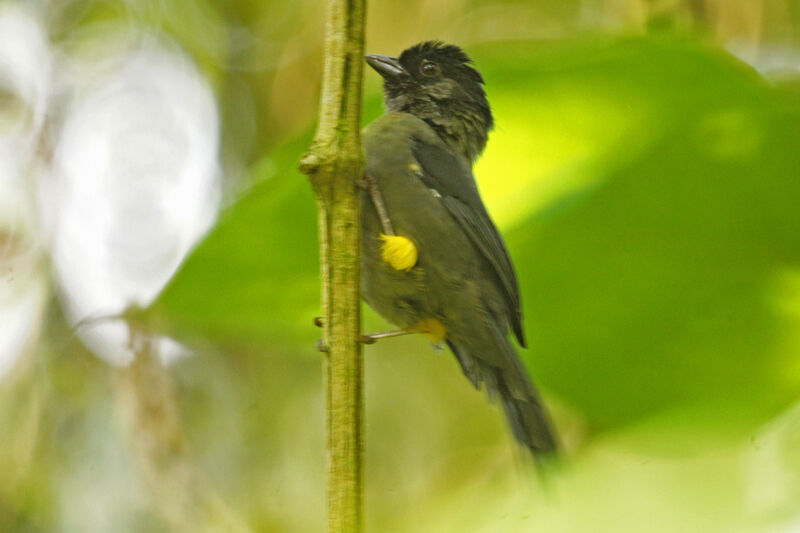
(334, 165)
(184, 497)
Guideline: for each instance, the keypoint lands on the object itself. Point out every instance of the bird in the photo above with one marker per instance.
(433, 261)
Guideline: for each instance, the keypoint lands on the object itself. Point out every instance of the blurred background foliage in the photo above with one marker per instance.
(645, 169)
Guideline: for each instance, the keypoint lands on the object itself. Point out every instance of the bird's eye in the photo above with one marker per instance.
(429, 68)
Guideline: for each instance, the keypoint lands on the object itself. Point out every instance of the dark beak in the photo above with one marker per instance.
(386, 66)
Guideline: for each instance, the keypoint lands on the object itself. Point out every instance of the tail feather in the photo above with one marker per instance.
(528, 419)
(524, 410)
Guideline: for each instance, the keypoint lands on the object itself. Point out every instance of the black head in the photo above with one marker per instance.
(437, 83)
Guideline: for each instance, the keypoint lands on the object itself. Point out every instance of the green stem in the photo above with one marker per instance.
(334, 164)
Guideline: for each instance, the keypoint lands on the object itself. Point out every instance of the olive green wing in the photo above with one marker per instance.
(451, 177)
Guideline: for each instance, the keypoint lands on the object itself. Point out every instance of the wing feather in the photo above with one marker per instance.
(451, 176)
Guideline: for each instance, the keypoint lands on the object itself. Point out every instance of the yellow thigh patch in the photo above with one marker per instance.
(431, 328)
(399, 252)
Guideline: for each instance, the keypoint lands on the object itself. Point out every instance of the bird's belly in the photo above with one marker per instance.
(400, 297)
(445, 284)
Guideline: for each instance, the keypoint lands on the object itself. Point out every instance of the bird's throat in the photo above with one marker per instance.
(463, 135)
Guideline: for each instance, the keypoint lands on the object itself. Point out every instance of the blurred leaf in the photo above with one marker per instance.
(649, 286)
(651, 186)
(621, 485)
(254, 279)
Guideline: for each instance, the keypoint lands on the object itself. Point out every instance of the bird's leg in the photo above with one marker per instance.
(369, 184)
(404, 261)
(366, 339)
(431, 328)
(400, 252)
(372, 338)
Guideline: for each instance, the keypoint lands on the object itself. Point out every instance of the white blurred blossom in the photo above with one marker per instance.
(775, 62)
(134, 184)
(127, 183)
(24, 82)
(22, 294)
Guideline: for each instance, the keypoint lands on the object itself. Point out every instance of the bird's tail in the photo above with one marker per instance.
(524, 410)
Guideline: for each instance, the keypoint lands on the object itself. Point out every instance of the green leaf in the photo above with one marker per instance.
(254, 280)
(648, 191)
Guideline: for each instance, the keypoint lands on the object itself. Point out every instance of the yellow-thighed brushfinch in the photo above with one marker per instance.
(444, 270)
